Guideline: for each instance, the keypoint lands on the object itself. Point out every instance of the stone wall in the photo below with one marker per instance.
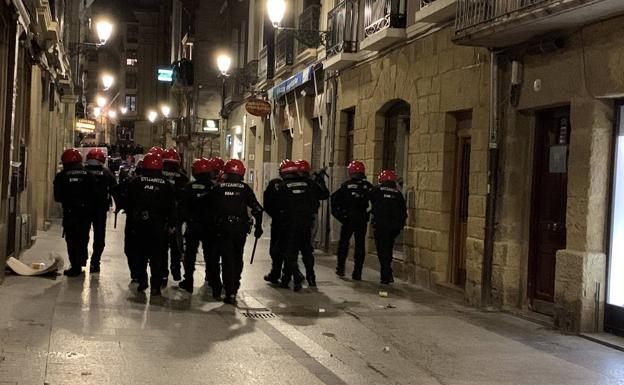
(585, 76)
(437, 79)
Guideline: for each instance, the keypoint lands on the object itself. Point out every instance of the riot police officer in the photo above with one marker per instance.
(178, 179)
(105, 188)
(298, 197)
(349, 205)
(322, 193)
(74, 188)
(273, 208)
(199, 226)
(151, 207)
(389, 216)
(230, 200)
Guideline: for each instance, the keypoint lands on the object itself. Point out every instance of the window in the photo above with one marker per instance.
(350, 129)
(132, 33)
(131, 57)
(131, 80)
(131, 103)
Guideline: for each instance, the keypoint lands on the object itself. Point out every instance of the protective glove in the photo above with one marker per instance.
(258, 232)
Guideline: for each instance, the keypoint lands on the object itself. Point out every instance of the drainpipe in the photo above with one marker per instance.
(490, 211)
(330, 153)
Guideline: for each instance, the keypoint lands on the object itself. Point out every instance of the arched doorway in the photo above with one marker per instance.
(396, 130)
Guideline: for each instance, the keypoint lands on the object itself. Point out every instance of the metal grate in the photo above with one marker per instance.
(254, 314)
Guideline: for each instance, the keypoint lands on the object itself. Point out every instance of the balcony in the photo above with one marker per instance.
(309, 20)
(501, 23)
(384, 23)
(284, 50)
(341, 45)
(266, 64)
(436, 11)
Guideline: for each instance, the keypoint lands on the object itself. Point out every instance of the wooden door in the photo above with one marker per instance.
(548, 211)
(460, 212)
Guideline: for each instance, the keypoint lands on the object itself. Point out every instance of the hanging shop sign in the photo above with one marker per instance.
(258, 107)
(165, 75)
(85, 125)
(292, 83)
(210, 126)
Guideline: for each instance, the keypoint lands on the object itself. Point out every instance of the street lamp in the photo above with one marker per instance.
(97, 111)
(223, 63)
(107, 81)
(112, 114)
(152, 116)
(104, 30)
(312, 38)
(166, 110)
(276, 9)
(101, 101)
(123, 110)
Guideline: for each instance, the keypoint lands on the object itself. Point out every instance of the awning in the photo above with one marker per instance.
(292, 82)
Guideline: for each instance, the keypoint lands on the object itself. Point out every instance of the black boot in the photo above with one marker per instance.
(164, 282)
(356, 276)
(216, 292)
(340, 270)
(311, 280)
(142, 287)
(272, 279)
(187, 285)
(230, 299)
(155, 292)
(95, 268)
(72, 271)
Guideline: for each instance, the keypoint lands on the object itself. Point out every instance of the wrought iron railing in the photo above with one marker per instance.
(284, 49)
(426, 3)
(383, 14)
(309, 22)
(266, 63)
(342, 24)
(471, 13)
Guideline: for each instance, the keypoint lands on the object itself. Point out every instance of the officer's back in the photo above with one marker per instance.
(231, 198)
(388, 205)
(74, 188)
(350, 202)
(151, 198)
(299, 200)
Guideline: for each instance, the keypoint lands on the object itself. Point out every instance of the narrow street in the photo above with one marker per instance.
(97, 330)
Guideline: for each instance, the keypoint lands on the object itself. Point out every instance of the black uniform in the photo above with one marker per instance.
(271, 206)
(307, 255)
(178, 179)
(230, 201)
(389, 215)
(152, 211)
(132, 248)
(105, 188)
(74, 188)
(200, 223)
(298, 197)
(349, 205)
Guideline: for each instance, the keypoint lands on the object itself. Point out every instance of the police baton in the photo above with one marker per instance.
(115, 224)
(253, 253)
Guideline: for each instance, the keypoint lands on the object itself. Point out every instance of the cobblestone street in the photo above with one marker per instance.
(97, 330)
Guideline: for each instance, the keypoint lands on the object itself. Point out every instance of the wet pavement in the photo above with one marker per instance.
(95, 329)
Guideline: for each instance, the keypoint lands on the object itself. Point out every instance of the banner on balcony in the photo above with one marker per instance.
(291, 83)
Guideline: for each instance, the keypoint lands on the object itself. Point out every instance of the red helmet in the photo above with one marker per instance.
(387, 176)
(96, 154)
(288, 166)
(356, 167)
(303, 166)
(218, 162)
(171, 155)
(157, 150)
(202, 166)
(234, 166)
(71, 155)
(152, 161)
